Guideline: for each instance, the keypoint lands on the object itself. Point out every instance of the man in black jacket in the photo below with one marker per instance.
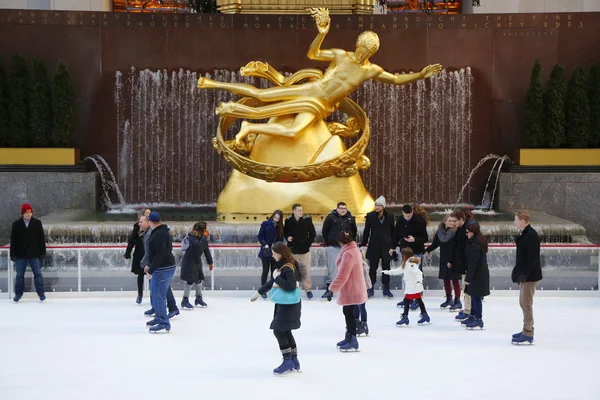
(377, 236)
(336, 221)
(299, 232)
(160, 269)
(527, 273)
(27, 246)
(459, 260)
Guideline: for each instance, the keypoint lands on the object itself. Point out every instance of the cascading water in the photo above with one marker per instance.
(112, 195)
(420, 146)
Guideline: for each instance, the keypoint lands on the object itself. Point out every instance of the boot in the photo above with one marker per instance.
(351, 345)
(149, 313)
(363, 329)
(199, 302)
(359, 328)
(295, 360)
(160, 328)
(403, 321)
(287, 365)
(400, 304)
(447, 303)
(521, 338)
(477, 323)
(370, 293)
(387, 293)
(345, 341)
(457, 306)
(424, 319)
(461, 316)
(185, 304)
(328, 295)
(414, 305)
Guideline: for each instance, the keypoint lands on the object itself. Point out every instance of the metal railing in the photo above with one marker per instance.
(78, 250)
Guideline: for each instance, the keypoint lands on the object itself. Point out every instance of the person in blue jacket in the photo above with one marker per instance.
(271, 231)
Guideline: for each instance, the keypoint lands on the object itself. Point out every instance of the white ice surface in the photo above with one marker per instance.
(99, 348)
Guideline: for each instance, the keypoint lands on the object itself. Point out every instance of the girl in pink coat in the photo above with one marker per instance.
(350, 285)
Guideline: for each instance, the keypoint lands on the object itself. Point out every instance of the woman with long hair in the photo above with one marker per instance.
(413, 285)
(350, 284)
(136, 241)
(477, 280)
(444, 239)
(419, 210)
(286, 316)
(193, 246)
(271, 231)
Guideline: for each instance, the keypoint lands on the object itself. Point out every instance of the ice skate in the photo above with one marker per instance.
(403, 321)
(522, 339)
(351, 345)
(425, 320)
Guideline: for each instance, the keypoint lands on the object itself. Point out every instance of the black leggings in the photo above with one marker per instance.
(267, 264)
(407, 304)
(140, 284)
(285, 339)
(350, 321)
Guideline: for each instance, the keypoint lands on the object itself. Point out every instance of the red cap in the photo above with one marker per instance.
(26, 207)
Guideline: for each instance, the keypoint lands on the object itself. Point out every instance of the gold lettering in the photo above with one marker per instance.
(268, 26)
(441, 19)
(405, 26)
(383, 26)
(418, 19)
(337, 26)
(245, 26)
(510, 17)
(487, 25)
(152, 24)
(569, 24)
(32, 15)
(558, 24)
(209, 24)
(187, 24)
(32, 22)
(68, 21)
(581, 24)
(463, 25)
(222, 25)
(372, 26)
(256, 18)
(349, 19)
(522, 24)
(45, 15)
(140, 23)
(545, 24)
(557, 17)
(105, 23)
(117, 15)
(499, 18)
(533, 17)
(360, 26)
(128, 23)
(487, 17)
(498, 25)
(45, 21)
(56, 15)
(164, 24)
(452, 18)
(428, 25)
(176, 25)
(187, 17)
(176, 18)
(440, 26)
(292, 26)
(510, 24)
(569, 17)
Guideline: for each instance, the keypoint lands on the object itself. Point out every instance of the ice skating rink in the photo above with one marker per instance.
(99, 348)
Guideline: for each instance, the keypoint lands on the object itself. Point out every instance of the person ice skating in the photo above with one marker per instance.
(349, 284)
(413, 285)
(410, 231)
(338, 220)
(27, 247)
(459, 260)
(377, 237)
(271, 232)
(288, 305)
(300, 233)
(444, 239)
(360, 311)
(161, 270)
(193, 246)
(135, 243)
(477, 280)
(527, 273)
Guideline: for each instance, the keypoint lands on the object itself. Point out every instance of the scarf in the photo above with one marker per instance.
(445, 235)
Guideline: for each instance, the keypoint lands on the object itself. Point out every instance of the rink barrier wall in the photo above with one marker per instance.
(11, 269)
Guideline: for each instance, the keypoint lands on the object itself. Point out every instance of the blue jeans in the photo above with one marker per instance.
(360, 312)
(160, 286)
(38, 279)
(477, 307)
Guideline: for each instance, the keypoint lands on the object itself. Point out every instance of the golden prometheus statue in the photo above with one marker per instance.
(297, 157)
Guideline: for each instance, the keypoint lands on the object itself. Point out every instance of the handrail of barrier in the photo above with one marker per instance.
(256, 246)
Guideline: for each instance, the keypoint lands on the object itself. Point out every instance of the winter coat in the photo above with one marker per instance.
(413, 276)
(528, 267)
(136, 240)
(478, 273)
(350, 280)
(335, 223)
(378, 234)
(160, 249)
(285, 316)
(27, 242)
(145, 260)
(268, 235)
(446, 253)
(191, 263)
(459, 256)
(302, 232)
(416, 227)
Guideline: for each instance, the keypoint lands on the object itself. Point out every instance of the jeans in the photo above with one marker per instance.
(477, 307)
(332, 253)
(38, 279)
(160, 288)
(360, 312)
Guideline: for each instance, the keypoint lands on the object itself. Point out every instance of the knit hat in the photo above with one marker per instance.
(380, 201)
(154, 217)
(26, 207)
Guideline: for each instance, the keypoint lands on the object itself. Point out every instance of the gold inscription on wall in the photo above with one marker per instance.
(339, 22)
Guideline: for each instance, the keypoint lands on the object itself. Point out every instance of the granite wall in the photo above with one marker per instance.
(46, 192)
(572, 196)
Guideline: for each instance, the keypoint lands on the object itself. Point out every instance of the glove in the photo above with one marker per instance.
(276, 273)
(127, 256)
(385, 272)
(210, 268)
(255, 297)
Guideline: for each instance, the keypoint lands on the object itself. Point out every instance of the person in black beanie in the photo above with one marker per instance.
(27, 246)
(160, 270)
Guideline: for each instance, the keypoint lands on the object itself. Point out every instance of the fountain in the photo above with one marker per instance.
(111, 195)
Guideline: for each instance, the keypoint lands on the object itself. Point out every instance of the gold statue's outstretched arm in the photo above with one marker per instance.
(403, 79)
(323, 21)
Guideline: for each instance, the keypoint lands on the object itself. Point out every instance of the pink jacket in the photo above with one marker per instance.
(349, 281)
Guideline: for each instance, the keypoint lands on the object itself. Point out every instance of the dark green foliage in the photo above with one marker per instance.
(578, 111)
(18, 106)
(40, 107)
(63, 102)
(554, 110)
(4, 121)
(204, 6)
(594, 100)
(534, 108)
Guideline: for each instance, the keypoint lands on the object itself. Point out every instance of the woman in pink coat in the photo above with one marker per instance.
(350, 285)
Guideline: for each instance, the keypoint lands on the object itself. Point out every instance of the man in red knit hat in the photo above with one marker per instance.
(27, 246)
